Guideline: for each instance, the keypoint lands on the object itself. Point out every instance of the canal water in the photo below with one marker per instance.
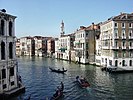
(41, 83)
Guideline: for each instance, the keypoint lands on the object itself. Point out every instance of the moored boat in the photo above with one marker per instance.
(57, 70)
(82, 82)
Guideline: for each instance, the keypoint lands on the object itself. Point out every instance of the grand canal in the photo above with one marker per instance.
(41, 83)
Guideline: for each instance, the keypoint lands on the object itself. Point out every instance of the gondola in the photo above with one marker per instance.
(59, 92)
(82, 82)
(57, 70)
(57, 97)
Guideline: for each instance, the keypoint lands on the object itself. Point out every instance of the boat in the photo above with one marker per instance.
(57, 70)
(59, 92)
(57, 95)
(82, 82)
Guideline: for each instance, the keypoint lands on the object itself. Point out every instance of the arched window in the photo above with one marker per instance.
(116, 63)
(2, 27)
(2, 50)
(130, 63)
(123, 63)
(10, 28)
(10, 50)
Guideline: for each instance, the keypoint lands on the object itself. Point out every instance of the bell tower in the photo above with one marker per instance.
(62, 28)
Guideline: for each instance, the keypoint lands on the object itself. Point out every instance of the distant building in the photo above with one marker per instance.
(27, 46)
(50, 47)
(84, 44)
(9, 76)
(18, 52)
(63, 45)
(117, 41)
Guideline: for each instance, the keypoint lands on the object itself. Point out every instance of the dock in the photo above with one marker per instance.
(116, 70)
(7, 94)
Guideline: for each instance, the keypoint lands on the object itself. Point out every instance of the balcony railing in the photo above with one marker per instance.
(116, 37)
(130, 47)
(123, 37)
(115, 47)
(123, 47)
(130, 37)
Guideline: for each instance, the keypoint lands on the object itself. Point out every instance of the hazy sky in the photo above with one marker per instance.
(43, 17)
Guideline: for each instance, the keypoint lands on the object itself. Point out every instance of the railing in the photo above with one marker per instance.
(130, 37)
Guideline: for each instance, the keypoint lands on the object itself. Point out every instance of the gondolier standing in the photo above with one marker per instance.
(62, 86)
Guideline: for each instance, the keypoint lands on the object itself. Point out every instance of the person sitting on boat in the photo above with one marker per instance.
(57, 92)
(78, 79)
(63, 68)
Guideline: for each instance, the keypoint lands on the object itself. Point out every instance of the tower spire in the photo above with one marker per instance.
(62, 28)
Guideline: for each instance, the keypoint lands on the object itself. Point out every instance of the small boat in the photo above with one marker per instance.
(82, 82)
(59, 93)
(57, 70)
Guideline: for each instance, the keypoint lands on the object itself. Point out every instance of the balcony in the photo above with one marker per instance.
(115, 47)
(116, 37)
(123, 37)
(123, 47)
(130, 37)
(130, 47)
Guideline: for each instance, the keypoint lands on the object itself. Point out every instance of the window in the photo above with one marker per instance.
(124, 54)
(130, 63)
(102, 60)
(116, 43)
(10, 28)
(2, 50)
(12, 71)
(4, 86)
(130, 44)
(2, 27)
(130, 33)
(3, 73)
(123, 33)
(110, 62)
(116, 33)
(123, 25)
(123, 43)
(123, 63)
(12, 83)
(87, 55)
(130, 25)
(10, 50)
(116, 25)
(115, 54)
(116, 63)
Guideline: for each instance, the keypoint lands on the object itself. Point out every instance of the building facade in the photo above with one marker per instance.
(117, 41)
(27, 46)
(8, 63)
(50, 47)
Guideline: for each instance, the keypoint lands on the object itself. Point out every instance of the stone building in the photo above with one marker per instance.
(9, 76)
(117, 41)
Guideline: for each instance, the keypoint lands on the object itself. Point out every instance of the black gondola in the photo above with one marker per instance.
(57, 70)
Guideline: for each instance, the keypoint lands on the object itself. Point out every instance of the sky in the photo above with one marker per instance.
(44, 17)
